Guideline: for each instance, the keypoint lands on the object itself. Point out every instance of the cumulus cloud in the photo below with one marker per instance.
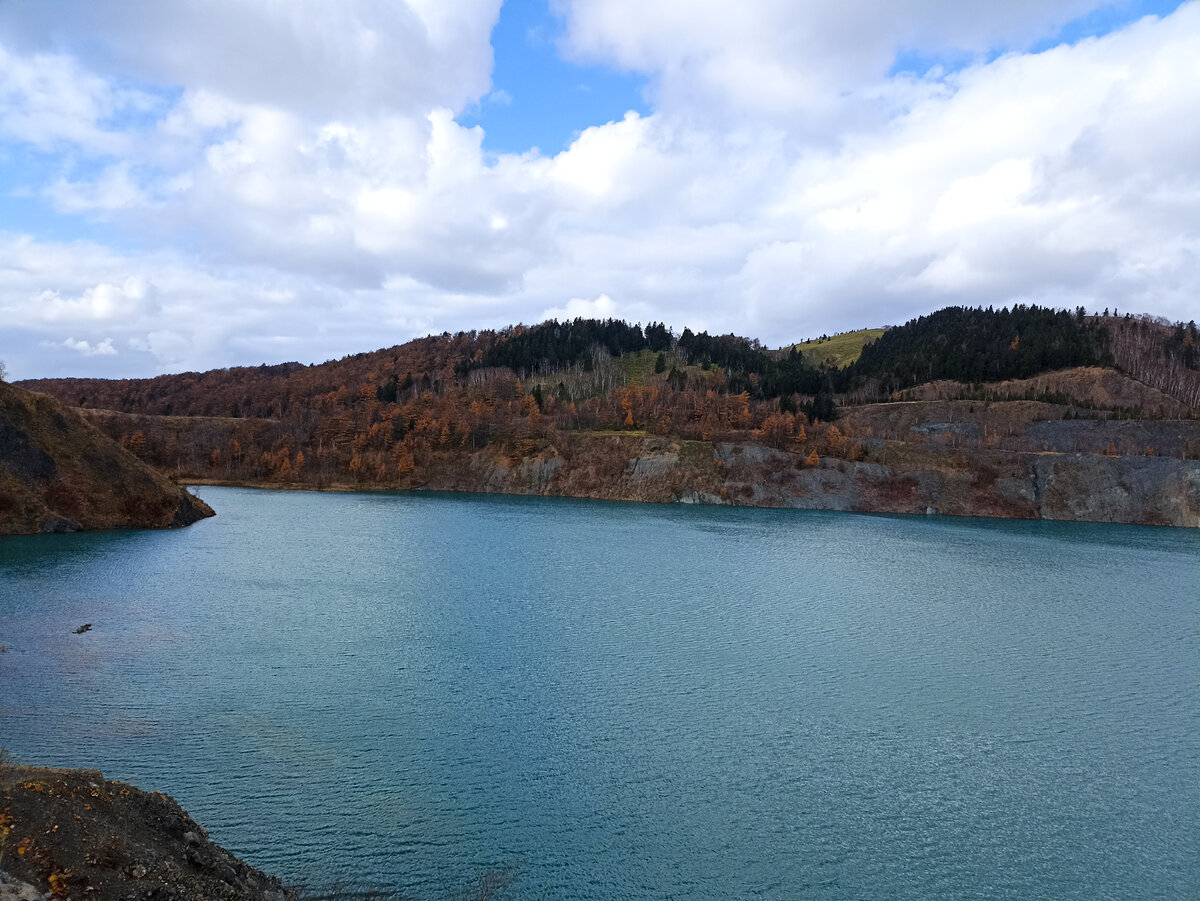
(784, 184)
(602, 307)
(102, 349)
(325, 59)
(114, 189)
(49, 100)
(791, 56)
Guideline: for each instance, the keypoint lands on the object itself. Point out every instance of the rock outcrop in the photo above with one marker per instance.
(890, 478)
(59, 473)
(70, 835)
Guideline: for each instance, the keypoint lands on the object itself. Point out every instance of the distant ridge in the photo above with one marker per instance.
(1020, 412)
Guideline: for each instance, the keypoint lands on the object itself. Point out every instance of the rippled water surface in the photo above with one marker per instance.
(623, 701)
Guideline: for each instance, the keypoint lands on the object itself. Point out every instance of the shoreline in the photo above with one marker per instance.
(1148, 491)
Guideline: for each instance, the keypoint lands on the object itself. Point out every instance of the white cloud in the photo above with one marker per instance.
(101, 349)
(773, 191)
(114, 189)
(603, 307)
(324, 59)
(49, 100)
(103, 302)
(784, 52)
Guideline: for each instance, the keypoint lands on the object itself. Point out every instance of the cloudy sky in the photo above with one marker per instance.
(187, 184)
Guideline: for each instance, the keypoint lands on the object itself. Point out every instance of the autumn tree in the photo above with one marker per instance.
(135, 443)
(403, 459)
(777, 429)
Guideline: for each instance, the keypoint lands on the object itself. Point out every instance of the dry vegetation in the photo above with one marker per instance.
(649, 424)
(59, 473)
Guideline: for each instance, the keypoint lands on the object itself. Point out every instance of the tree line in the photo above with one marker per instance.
(968, 344)
(383, 415)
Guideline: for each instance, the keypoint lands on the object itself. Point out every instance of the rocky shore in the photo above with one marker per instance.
(1048, 485)
(71, 835)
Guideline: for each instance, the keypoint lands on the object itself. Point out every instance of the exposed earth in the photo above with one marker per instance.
(70, 835)
(59, 473)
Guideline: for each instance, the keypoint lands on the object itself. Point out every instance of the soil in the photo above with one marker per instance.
(70, 835)
(59, 473)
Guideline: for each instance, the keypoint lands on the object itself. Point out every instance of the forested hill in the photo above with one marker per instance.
(265, 392)
(580, 364)
(574, 362)
(986, 345)
(420, 412)
(977, 345)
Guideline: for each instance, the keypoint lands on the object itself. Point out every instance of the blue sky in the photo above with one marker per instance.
(540, 99)
(187, 186)
(1096, 23)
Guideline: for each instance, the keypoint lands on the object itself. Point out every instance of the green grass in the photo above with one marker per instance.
(639, 367)
(839, 350)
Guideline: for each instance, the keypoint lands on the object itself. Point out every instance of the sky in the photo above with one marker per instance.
(190, 184)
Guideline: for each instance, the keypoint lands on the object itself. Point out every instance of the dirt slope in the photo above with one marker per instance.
(59, 473)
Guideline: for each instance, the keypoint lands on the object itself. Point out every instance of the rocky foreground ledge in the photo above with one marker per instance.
(70, 835)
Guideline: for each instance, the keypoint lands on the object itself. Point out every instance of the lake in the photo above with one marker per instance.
(398, 692)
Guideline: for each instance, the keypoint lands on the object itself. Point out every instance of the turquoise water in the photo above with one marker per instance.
(399, 692)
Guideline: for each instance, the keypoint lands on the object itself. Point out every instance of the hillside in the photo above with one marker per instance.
(59, 473)
(838, 351)
(1088, 387)
(539, 409)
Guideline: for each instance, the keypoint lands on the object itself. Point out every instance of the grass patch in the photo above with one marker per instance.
(838, 350)
(638, 367)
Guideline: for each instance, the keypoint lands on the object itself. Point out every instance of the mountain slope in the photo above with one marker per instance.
(838, 351)
(59, 473)
(538, 409)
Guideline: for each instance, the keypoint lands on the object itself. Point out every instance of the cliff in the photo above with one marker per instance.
(59, 473)
(883, 477)
(888, 478)
(1086, 443)
(71, 835)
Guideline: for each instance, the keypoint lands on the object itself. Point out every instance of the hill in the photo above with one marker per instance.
(975, 345)
(606, 409)
(838, 351)
(59, 473)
